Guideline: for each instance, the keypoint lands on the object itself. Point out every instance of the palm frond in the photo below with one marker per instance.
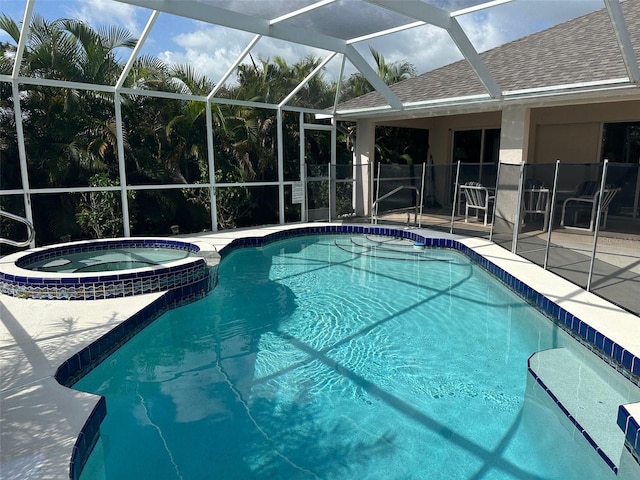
(82, 32)
(10, 27)
(189, 80)
(116, 36)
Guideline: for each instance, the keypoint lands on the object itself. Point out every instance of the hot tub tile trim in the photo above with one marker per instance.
(41, 285)
(112, 286)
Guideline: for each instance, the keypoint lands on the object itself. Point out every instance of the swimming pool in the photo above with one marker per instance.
(279, 374)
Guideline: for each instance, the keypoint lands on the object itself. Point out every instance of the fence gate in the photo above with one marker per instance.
(316, 159)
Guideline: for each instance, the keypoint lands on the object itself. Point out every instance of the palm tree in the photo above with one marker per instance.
(271, 82)
(74, 133)
(393, 144)
(69, 133)
(390, 73)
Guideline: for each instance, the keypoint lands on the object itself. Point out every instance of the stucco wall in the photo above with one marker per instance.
(440, 129)
(569, 133)
(569, 143)
(572, 133)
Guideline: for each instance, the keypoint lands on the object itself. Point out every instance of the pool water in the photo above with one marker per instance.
(337, 357)
(105, 260)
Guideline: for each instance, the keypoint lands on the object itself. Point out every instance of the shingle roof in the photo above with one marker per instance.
(579, 50)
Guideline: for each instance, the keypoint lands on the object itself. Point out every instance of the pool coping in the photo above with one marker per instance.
(604, 325)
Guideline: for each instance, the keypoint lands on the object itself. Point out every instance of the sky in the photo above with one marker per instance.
(212, 49)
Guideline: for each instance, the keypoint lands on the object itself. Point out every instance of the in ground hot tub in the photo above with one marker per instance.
(98, 269)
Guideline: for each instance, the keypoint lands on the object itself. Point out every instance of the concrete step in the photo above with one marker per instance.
(590, 393)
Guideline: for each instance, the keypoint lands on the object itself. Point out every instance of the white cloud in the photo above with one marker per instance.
(495, 26)
(203, 63)
(485, 35)
(106, 12)
(210, 50)
(268, 48)
(430, 47)
(425, 47)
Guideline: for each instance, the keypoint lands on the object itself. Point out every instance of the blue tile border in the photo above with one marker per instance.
(112, 284)
(631, 428)
(87, 439)
(605, 348)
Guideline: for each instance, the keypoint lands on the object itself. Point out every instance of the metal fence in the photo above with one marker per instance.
(578, 220)
(588, 228)
(333, 191)
(399, 189)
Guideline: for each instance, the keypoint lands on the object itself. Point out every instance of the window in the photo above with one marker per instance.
(621, 142)
(478, 152)
(621, 146)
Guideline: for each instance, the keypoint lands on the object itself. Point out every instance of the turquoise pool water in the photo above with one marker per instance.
(337, 357)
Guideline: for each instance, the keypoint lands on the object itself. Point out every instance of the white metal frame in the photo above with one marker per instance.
(330, 166)
(118, 90)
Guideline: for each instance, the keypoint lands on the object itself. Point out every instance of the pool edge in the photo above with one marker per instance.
(628, 418)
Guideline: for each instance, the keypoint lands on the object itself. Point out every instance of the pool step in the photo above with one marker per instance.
(589, 394)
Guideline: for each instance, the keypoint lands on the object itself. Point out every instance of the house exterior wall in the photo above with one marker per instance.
(569, 143)
(440, 129)
(572, 133)
(514, 141)
(440, 139)
(363, 156)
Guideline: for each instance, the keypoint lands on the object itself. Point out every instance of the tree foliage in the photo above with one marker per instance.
(390, 73)
(98, 213)
(71, 137)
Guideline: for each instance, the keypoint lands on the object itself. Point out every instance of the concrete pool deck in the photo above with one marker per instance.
(40, 420)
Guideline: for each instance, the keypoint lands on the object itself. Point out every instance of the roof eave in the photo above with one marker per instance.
(596, 91)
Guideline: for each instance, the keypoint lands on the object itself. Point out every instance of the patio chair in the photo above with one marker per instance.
(536, 202)
(589, 204)
(476, 197)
